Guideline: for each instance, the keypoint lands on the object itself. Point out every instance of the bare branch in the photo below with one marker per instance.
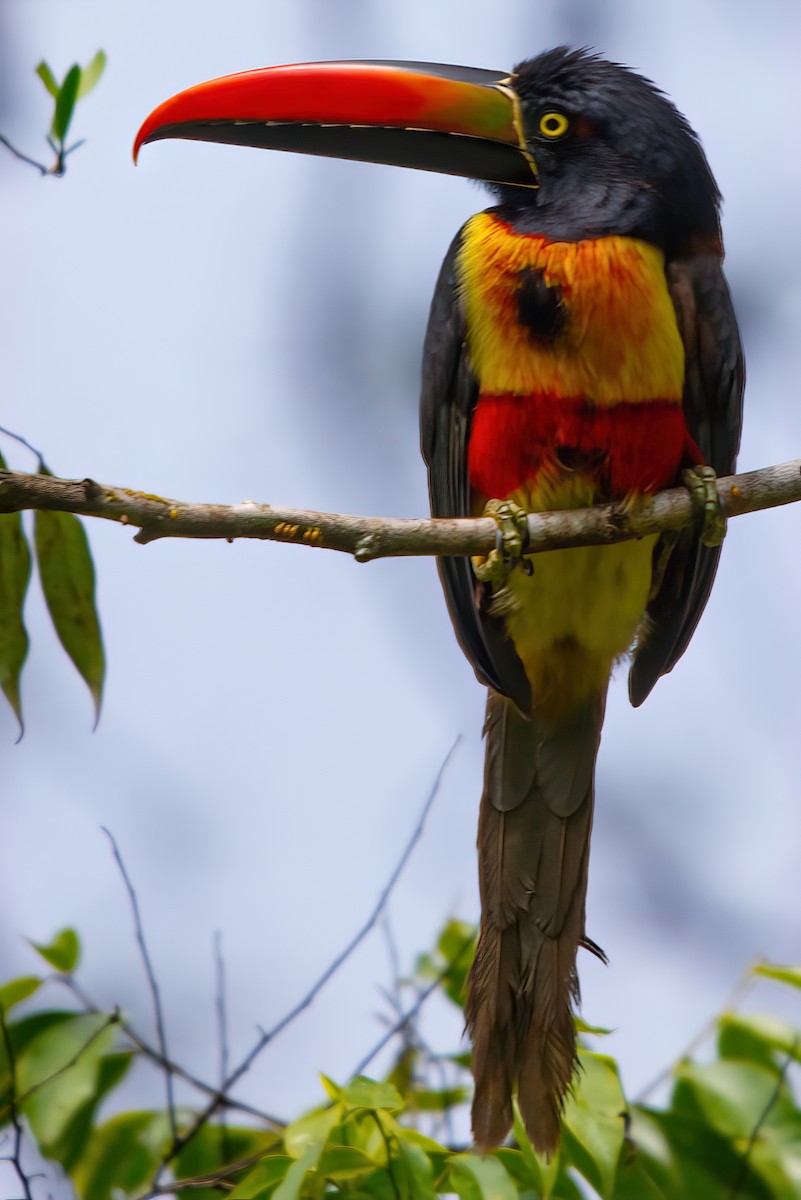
(267, 1035)
(152, 983)
(367, 538)
(144, 1048)
(412, 1013)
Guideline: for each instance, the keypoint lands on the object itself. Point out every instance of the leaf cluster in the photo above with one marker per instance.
(67, 576)
(730, 1128)
(77, 83)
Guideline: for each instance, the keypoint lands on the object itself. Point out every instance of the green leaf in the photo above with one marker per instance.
(215, 1146)
(59, 1069)
(48, 78)
(438, 1099)
(646, 1170)
(15, 572)
(292, 1183)
(368, 1093)
(18, 989)
(729, 1096)
(311, 1131)
(72, 1142)
(755, 1037)
(597, 1030)
(122, 1156)
(68, 583)
(333, 1090)
(344, 1162)
(23, 1032)
(418, 1169)
(65, 103)
(789, 975)
(63, 952)
(706, 1163)
(594, 1117)
(473, 1178)
(90, 74)
(265, 1177)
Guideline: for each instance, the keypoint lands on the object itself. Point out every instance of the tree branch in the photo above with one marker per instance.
(367, 538)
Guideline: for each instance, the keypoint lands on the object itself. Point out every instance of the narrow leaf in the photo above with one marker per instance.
(65, 103)
(594, 1117)
(68, 583)
(367, 1093)
(790, 975)
(90, 74)
(486, 1177)
(310, 1131)
(263, 1179)
(18, 989)
(15, 572)
(63, 952)
(292, 1183)
(48, 78)
(122, 1155)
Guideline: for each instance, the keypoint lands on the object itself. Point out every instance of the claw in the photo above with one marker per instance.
(701, 483)
(510, 540)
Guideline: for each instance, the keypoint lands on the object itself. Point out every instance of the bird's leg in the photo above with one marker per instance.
(510, 541)
(702, 484)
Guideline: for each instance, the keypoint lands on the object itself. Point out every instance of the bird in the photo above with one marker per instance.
(582, 348)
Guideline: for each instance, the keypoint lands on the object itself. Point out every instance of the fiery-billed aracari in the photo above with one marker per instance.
(581, 348)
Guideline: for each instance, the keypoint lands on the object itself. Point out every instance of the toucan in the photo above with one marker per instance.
(581, 348)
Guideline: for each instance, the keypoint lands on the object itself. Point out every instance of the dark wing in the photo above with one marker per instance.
(448, 400)
(713, 406)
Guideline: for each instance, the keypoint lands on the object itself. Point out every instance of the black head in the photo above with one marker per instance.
(613, 155)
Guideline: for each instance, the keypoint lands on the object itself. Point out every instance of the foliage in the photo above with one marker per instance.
(67, 575)
(731, 1127)
(77, 83)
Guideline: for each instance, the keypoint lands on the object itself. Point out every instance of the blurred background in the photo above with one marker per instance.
(222, 324)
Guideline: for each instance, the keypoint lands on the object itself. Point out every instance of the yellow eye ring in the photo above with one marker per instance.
(553, 125)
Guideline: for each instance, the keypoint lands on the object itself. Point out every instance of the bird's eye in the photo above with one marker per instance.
(553, 125)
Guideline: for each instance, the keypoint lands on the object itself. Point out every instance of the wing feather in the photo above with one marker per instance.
(448, 400)
(713, 405)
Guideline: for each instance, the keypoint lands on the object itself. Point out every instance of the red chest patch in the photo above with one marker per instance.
(626, 447)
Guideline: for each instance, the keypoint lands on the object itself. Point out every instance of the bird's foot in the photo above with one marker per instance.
(702, 484)
(511, 538)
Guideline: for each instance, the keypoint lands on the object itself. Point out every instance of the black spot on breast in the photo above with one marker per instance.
(539, 307)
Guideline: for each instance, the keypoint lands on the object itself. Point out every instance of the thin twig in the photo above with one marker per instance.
(24, 442)
(151, 1053)
(217, 1176)
(367, 538)
(15, 1157)
(413, 1012)
(763, 1116)
(161, 1034)
(267, 1035)
(40, 167)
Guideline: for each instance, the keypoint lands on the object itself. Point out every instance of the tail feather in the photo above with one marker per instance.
(533, 839)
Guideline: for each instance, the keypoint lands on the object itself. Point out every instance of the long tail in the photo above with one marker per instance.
(533, 850)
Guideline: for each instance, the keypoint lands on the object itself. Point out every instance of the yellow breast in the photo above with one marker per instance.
(620, 341)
